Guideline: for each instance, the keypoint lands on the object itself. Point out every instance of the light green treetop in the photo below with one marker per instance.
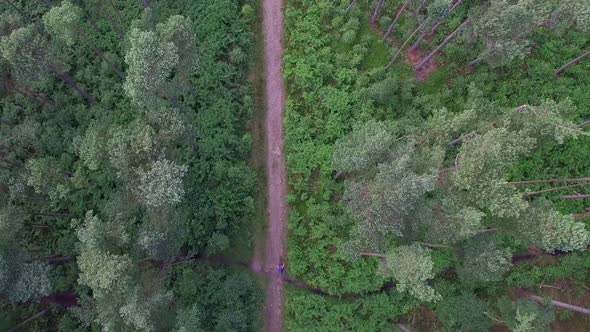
(62, 22)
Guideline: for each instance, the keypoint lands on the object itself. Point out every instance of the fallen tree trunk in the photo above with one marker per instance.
(442, 45)
(392, 25)
(561, 305)
(575, 196)
(376, 12)
(571, 63)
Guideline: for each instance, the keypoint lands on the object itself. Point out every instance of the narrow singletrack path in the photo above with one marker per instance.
(275, 162)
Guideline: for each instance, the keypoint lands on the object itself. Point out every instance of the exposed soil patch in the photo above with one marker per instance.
(414, 58)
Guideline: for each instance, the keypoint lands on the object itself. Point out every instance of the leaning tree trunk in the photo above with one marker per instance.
(575, 196)
(435, 27)
(376, 12)
(535, 193)
(116, 27)
(68, 80)
(392, 25)
(28, 320)
(550, 181)
(350, 6)
(403, 45)
(101, 54)
(442, 45)
(571, 63)
(561, 305)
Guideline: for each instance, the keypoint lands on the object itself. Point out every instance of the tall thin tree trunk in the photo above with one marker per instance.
(435, 26)
(116, 27)
(28, 320)
(403, 327)
(47, 214)
(475, 63)
(562, 305)
(575, 196)
(350, 6)
(417, 12)
(442, 45)
(433, 245)
(68, 80)
(20, 11)
(571, 63)
(119, 17)
(392, 25)
(402, 47)
(534, 193)
(550, 181)
(58, 259)
(372, 254)
(38, 97)
(376, 12)
(101, 54)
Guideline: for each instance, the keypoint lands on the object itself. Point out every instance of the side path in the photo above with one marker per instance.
(275, 161)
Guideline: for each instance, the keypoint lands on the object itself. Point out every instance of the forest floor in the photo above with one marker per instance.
(272, 15)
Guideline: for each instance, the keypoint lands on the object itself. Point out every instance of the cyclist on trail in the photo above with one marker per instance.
(281, 266)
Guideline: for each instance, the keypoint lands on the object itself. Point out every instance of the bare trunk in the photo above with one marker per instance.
(68, 80)
(562, 305)
(402, 47)
(119, 17)
(58, 259)
(583, 124)
(38, 97)
(435, 26)
(116, 27)
(582, 215)
(101, 54)
(403, 327)
(433, 245)
(475, 63)
(372, 254)
(376, 12)
(571, 63)
(550, 181)
(417, 12)
(534, 193)
(20, 11)
(146, 4)
(61, 215)
(28, 320)
(442, 45)
(576, 196)
(417, 42)
(392, 25)
(350, 6)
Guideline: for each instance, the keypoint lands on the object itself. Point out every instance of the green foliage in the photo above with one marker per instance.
(363, 148)
(484, 261)
(26, 50)
(464, 312)
(526, 315)
(150, 60)
(159, 154)
(61, 22)
(412, 267)
(161, 184)
(551, 229)
(219, 300)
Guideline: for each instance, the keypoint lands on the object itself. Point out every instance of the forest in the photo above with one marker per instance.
(125, 162)
(438, 168)
(438, 164)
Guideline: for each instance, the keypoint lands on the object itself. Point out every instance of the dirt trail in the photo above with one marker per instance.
(275, 162)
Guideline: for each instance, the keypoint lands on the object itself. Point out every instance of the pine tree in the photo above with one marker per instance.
(412, 267)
